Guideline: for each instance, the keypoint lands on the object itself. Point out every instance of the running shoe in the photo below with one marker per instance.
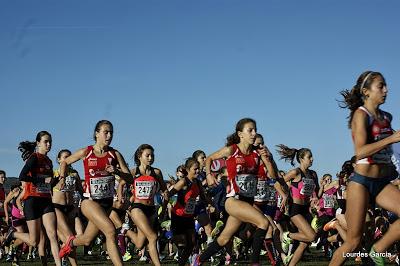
(127, 256)
(143, 258)
(217, 228)
(286, 241)
(11, 254)
(330, 225)
(378, 260)
(67, 248)
(196, 260)
(9, 236)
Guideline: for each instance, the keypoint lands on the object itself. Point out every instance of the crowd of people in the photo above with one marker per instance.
(241, 210)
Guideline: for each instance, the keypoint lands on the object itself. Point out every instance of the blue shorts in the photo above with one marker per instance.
(373, 185)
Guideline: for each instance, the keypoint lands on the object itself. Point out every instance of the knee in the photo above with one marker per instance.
(110, 233)
(152, 238)
(311, 236)
(353, 243)
(264, 224)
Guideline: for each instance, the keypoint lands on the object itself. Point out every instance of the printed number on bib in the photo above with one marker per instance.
(247, 185)
(329, 201)
(262, 191)
(190, 206)
(144, 189)
(102, 187)
(308, 187)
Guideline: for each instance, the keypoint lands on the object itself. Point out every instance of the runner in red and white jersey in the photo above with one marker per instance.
(100, 165)
(243, 164)
(147, 182)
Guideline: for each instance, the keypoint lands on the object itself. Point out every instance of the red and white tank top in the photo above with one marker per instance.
(99, 184)
(242, 173)
(145, 186)
(378, 130)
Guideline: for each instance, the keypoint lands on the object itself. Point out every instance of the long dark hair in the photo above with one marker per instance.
(289, 154)
(354, 98)
(28, 147)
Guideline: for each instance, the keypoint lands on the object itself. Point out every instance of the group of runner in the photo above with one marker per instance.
(243, 209)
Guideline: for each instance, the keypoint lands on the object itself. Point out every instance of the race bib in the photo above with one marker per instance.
(247, 185)
(41, 186)
(144, 189)
(308, 187)
(190, 206)
(329, 201)
(262, 191)
(102, 187)
(69, 185)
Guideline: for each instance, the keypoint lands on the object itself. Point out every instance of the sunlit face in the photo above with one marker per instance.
(377, 91)
(193, 170)
(44, 145)
(104, 135)
(202, 160)
(307, 160)
(248, 134)
(147, 157)
(63, 156)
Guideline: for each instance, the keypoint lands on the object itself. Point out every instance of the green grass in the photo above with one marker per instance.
(310, 259)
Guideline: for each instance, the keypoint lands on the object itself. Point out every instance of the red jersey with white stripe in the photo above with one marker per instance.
(99, 184)
(242, 172)
(378, 130)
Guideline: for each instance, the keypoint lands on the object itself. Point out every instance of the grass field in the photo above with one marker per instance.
(310, 259)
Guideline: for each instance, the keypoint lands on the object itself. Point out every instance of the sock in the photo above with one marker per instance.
(209, 239)
(258, 239)
(212, 248)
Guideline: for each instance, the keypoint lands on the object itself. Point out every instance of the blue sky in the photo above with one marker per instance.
(179, 74)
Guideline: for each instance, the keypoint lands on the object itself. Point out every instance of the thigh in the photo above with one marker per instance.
(244, 212)
(142, 222)
(356, 209)
(96, 215)
(389, 199)
(302, 224)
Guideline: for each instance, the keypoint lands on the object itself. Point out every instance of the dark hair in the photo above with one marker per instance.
(234, 138)
(288, 154)
(197, 153)
(15, 185)
(2, 172)
(62, 151)
(98, 126)
(354, 98)
(347, 167)
(139, 152)
(190, 162)
(28, 147)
